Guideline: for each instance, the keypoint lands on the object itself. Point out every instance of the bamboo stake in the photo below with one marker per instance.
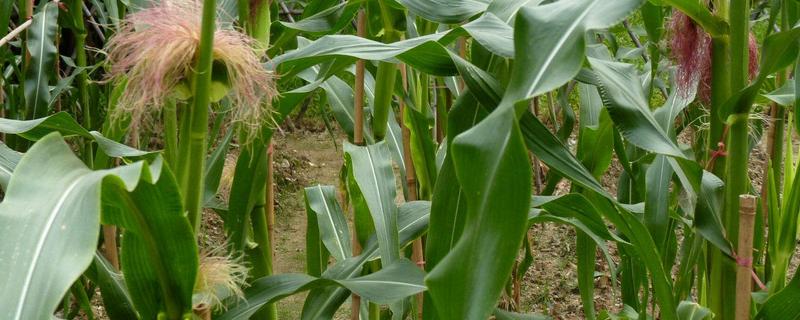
(358, 139)
(744, 261)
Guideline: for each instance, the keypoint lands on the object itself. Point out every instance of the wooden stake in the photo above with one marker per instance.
(358, 139)
(744, 261)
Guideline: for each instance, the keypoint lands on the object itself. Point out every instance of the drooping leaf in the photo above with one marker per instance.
(41, 46)
(783, 304)
(778, 51)
(8, 161)
(400, 280)
(446, 11)
(116, 297)
(65, 125)
(332, 223)
(425, 53)
(784, 95)
(159, 255)
(712, 24)
(215, 163)
(628, 106)
(550, 41)
(688, 310)
(493, 168)
(50, 235)
(371, 169)
(322, 303)
(329, 20)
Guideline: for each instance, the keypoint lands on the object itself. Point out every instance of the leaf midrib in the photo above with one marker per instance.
(54, 213)
(330, 218)
(552, 55)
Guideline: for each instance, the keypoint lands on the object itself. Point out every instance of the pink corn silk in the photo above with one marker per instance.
(691, 49)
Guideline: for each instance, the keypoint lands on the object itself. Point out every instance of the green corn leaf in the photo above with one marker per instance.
(425, 53)
(159, 255)
(778, 51)
(712, 24)
(423, 149)
(371, 169)
(628, 106)
(215, 163)
(34, 130)
(392, 283)
(42, 49)
(449, 207)
(506, 9)
(446, 11)
(783, 305)
(322, 303)
(329, 20)
(116, 297)
(8, 161)
(656, 215)
(688, 310)
(785, 95)
(55, 228)
(653, 18)
(330, 218)
(248, 179)
(550, 41)
(596, 132)
(65, 125)
(493, 168)
(644, 248)
(500, 314)
(555, 154)
(317, 255)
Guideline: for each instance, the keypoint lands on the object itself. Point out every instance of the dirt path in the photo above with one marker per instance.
(304, 159)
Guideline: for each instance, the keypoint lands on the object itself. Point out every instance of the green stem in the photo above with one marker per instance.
(385, 78)
(740, 39)
(83, 95)
(721, 91)
(723, 277)
(257, 21)
(182, 169)
(199, 117)
(736, 184)
(83, 78)
(261, 256)
(171, 133)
